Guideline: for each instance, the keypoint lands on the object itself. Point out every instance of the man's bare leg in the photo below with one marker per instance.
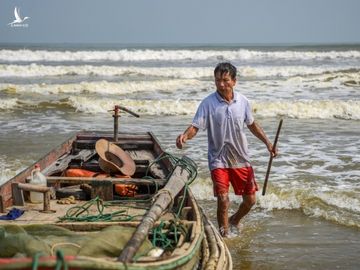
(244, 208)
(223, 203)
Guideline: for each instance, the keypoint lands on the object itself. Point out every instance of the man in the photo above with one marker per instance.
(223, 114)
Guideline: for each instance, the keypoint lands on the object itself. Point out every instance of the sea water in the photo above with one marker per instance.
(310, 215)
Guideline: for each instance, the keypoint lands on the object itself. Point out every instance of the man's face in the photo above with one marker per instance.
(224, 83)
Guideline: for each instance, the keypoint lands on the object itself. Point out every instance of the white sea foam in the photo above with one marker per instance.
(274, 201)
(102, 87)
(38, 70)
(334, 206)
(338, 199)
(305, 109)
(6, 104)
(329, 85)
(338, 206)
(297, 109)
(323, 109)
(34, 70)
(171, 55)
(9, 168)
(147, 107)
(202, 188)
(6, 175)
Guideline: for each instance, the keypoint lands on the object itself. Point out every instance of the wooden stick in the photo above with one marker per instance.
(271, 157)
(175, 184)
(32, 187)
(89, 180)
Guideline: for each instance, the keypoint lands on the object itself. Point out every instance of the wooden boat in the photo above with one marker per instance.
(163, 205)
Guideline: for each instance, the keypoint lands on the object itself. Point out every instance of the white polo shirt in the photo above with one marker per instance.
(225, 122)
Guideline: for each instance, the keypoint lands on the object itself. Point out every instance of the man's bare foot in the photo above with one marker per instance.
(231, 232)
(224, 232)
(233, 225)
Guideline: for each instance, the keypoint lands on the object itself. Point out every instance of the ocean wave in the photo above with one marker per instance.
(301, 109)
(146, 107)
(8, 103)
(136, 55)
(37, 70)
(102, 87)
(306, 109)
(337, 206)
(327, 85)
(9, 168)
(298, 109)
(292, 109)
(321, 109)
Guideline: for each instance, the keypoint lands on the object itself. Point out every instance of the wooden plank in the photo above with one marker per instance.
(109, 136)
(120, 141)
(125, 145)
(103, 189)
(157, 147)
(17, 194)
(63, 162)
(165, 164)
(156, 170)
(141, 165)
(96, 168)
(2, 204)
(31, 187)
(95, 226)
(88, 180)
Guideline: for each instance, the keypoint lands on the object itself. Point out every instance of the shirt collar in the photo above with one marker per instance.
(220, 99)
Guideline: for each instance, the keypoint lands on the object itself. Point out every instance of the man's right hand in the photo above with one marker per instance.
(180, 141)
(189, 133)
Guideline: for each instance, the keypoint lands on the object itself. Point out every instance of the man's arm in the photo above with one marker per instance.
(260, 134)
(189, 133)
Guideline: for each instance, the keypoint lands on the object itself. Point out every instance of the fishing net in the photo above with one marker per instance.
(29, 240)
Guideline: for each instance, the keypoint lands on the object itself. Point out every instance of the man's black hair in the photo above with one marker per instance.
(224, 68)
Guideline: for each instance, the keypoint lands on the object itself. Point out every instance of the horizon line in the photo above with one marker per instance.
(190, 43)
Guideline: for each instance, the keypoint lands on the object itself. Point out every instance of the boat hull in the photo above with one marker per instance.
(203, 249)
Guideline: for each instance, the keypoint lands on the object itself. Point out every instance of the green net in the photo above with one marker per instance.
(29, 240)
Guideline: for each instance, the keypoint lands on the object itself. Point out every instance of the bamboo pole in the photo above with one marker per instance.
(165, 196)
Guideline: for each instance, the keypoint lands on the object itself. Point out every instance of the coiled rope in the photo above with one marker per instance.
(81, 213)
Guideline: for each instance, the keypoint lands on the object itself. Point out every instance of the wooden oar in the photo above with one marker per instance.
(271, 158)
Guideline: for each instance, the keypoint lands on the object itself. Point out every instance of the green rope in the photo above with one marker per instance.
(35, 261)
(189, 165)
(176, 228)
(167, 236)
(60, 261)
(184, 162)
(81, 213)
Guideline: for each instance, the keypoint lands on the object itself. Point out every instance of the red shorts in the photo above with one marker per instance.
(242, 180)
